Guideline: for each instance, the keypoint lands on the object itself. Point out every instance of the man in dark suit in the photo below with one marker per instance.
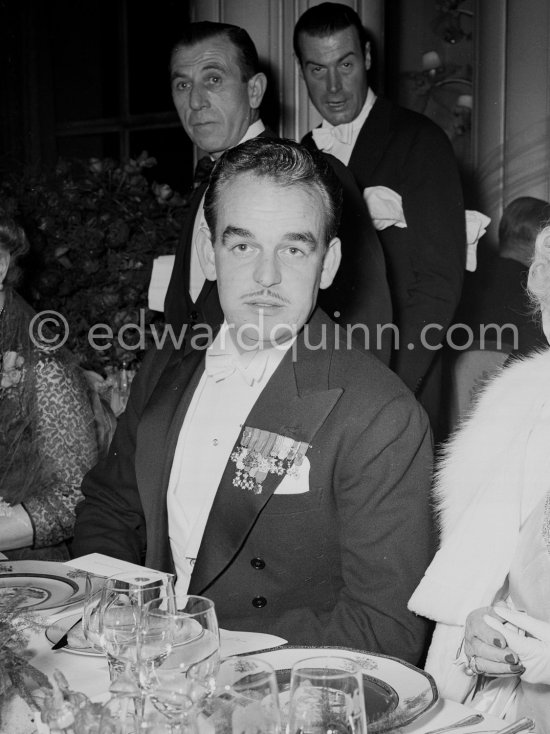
(387, 146)
(282, 472)
(217, 88)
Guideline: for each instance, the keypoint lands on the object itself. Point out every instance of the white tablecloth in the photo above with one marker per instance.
(90, 675)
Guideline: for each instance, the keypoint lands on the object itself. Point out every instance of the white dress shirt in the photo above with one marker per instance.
(196, 273)
(339, 140)
(210, 429)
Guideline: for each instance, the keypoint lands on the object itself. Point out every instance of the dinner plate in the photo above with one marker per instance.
(42, 584)
(396, 693)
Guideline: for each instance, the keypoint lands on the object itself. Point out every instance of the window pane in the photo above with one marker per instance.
(153, 28)
(86, 57)
(100, 145)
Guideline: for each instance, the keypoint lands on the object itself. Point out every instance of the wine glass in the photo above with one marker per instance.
(245, 699)
(326, 695)
(125, 632)
(188, 671)
(90, 612)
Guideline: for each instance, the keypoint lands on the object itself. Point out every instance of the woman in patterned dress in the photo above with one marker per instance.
(488, 587)
(47, 430)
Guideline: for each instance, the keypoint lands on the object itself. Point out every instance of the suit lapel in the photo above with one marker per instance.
(158, 432)
(294, 403)
(372, 142)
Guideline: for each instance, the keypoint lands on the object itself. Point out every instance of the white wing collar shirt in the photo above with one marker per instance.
(229, 387)
(196, 273)
(339, 140)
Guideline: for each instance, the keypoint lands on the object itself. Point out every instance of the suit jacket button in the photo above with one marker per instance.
(194, 316)
(259, 602)
(257, 563)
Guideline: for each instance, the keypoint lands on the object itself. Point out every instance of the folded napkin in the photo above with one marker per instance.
(160, 278)
(103, 565)
(476, 225)
(385, 207)
(238, 643)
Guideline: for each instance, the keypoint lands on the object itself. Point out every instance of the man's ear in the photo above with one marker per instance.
(331, 263)
(257, 85)
(205, 252)
(368, 59)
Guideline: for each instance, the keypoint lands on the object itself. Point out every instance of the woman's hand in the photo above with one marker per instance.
(533, 649)
(486, 648)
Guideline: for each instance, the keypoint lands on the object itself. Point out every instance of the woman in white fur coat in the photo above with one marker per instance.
(488, 587)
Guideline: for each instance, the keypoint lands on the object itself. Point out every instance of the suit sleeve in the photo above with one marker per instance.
(435, 239)
(110, 520)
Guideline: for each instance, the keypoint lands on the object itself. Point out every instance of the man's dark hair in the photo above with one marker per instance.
(205, 30)
(284, 162)
(519, 226)
(324, 20)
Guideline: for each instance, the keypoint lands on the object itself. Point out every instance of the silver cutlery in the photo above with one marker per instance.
(468, 721)
(63, 640)
(524, 724)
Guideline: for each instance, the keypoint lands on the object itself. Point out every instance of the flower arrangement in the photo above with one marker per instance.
(16, 670)
(95, 227)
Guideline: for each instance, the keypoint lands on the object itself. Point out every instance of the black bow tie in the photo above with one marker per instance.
(203, 170)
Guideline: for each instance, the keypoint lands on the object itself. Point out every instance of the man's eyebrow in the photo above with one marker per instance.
(231, 231)
(305, 238)
(212, 66)
(338, 61)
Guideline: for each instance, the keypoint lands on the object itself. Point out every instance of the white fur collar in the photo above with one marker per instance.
(492, 474)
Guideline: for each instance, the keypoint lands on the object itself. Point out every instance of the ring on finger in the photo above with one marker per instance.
(472, 668)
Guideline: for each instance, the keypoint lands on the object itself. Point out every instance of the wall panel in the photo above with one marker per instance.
(512, 110)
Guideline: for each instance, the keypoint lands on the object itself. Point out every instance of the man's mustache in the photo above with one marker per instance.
(267, 294)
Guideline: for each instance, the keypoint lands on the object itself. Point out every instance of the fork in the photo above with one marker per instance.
(468, 721)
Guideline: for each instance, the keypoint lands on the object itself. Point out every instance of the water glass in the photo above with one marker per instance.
(125, 632)
(326, 697)
(245, 699)
(188, 671)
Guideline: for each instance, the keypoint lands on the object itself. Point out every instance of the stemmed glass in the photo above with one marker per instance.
(326, 695)
(245, 699)
(126, 633)
(90, 612)
(187, 673)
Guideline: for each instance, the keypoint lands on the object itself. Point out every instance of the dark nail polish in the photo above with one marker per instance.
(497, 642)
(517, 668)
(510, 658)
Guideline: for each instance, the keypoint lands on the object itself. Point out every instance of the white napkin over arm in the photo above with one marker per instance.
(160, 278)
(385, 207)
(476, 226)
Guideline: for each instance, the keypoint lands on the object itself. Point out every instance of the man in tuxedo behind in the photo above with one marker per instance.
(401, 158)
(217, 88)
(282, 472)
